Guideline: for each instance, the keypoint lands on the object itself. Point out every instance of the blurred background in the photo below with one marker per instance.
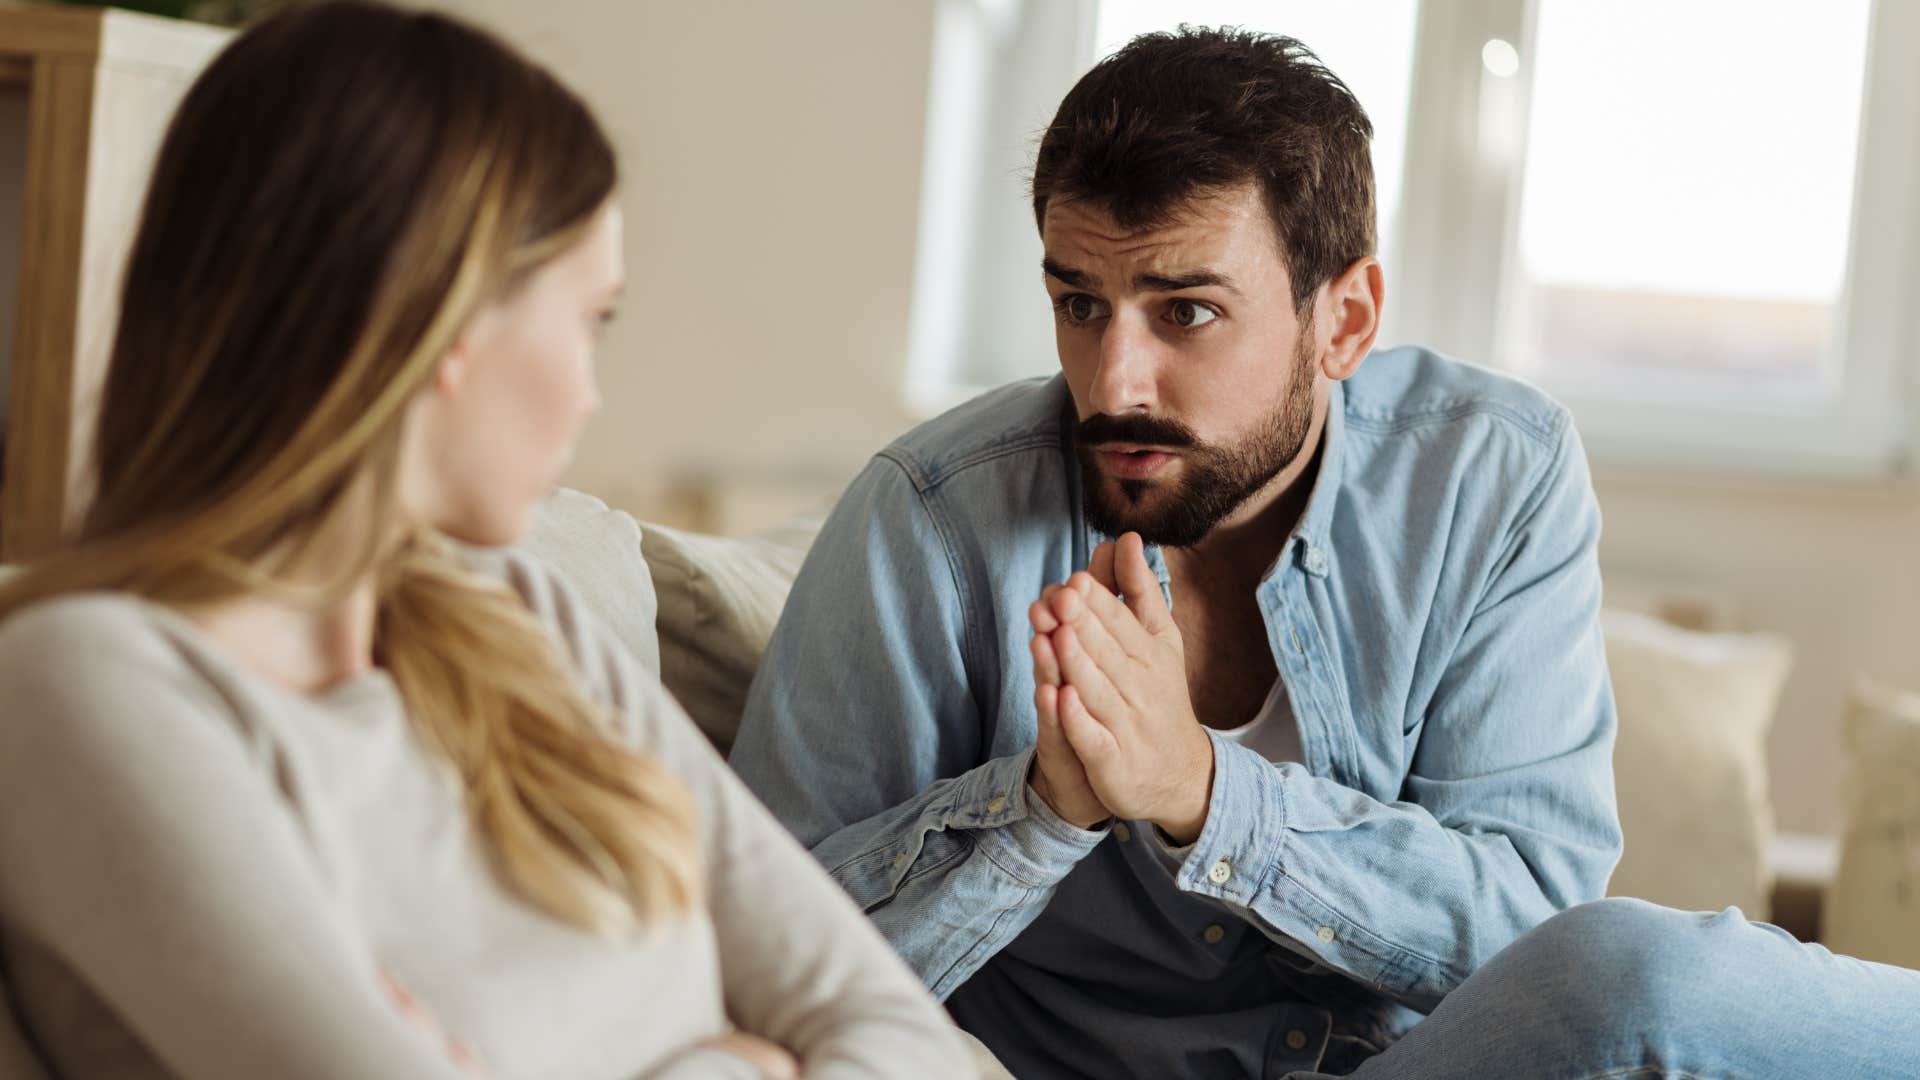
(1697, 222)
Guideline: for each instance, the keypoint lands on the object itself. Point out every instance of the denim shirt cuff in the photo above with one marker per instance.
(1244, 840)
(1016, 828)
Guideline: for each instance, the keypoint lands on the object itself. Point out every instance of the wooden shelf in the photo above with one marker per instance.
(101, 85)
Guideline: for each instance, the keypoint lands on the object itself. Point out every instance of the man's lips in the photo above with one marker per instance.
(1123, 461)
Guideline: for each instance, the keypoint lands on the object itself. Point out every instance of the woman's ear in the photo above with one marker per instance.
(456, 364)
(450, 374)
(1353, 304)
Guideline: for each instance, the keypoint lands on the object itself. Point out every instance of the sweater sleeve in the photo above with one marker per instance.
(145, 844)
(799, 963)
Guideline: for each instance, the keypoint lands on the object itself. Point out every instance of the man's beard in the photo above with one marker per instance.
(1214, 480)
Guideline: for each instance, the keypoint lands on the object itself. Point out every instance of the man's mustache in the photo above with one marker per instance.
(1101, 428)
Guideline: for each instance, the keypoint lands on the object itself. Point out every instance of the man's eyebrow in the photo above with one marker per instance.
(1066, 275)
(1191, 279)
(1187, 279)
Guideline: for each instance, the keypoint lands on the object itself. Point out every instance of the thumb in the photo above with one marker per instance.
(1089, 739)
(1101, 566)
(1139, 585)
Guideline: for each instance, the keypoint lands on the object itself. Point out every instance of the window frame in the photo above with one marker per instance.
(1459, 267)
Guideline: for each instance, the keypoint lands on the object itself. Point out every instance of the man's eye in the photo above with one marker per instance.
(1187, 314)
(1079, 307)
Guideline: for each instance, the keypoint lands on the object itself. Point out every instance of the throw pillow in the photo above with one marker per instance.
(1873, 906)
(1690, 765)
(719, 600)
(597, 551)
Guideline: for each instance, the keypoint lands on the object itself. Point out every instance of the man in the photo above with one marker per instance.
(1221, 706)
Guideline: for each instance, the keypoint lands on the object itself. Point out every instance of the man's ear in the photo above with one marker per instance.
(1351, 304)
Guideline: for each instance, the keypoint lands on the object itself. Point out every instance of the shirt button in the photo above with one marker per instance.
(1294, 636)
(1215, 934)
(1121, 832)
(1220, 872)
(996, 805)
(1325, 933)
(900, 861)
(1317, 560)
(1296, 1040)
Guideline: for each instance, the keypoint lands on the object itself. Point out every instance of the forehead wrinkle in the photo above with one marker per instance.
(1208, 235)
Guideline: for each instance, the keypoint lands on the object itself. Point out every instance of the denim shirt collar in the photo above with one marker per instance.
(1308, 545)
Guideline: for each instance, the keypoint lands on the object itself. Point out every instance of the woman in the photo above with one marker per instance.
(293, 786)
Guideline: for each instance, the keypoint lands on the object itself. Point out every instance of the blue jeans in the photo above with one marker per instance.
(1624, 989)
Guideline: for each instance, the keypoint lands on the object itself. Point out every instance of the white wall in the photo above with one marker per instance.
(774, 155)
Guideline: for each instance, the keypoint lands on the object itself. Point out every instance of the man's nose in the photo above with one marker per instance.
(1127, 374)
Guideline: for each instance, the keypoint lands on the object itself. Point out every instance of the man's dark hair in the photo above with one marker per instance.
(1183, 114)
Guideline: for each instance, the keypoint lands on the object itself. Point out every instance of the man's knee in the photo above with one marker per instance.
(1635, 963)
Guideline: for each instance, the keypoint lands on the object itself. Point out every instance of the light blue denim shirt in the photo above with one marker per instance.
(1435, 620)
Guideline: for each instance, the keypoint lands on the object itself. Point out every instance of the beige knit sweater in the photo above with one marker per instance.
(203, 875)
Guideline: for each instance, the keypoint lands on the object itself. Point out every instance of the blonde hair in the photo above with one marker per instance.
(341, 191)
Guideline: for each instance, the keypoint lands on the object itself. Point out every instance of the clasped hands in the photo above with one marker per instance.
(1118, 734)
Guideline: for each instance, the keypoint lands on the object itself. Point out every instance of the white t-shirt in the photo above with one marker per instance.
(1273, 733)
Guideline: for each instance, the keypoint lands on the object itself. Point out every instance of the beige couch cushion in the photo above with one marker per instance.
(598, 551)
(1873, 906)
(719, 600)
(1690, 766)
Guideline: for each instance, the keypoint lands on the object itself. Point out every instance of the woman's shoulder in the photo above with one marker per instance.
(81, 633)
(88, 669)
(609, 674)
(550, 599)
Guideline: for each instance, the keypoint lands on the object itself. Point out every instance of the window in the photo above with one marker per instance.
(1685, 201)
(1697, 222)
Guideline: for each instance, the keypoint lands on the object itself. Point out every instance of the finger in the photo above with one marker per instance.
(1048, 741)
(1101, 565)
(1110, 634)
(1067, 764)
(1046, 666)
(1139, 585)
(1090, 740)
(1040, 613)
(1054, 750)
(1116, 619)
(1047, 613)
(1046, 706)
(1053, 740)
(1069, 603)
(1086, 672)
